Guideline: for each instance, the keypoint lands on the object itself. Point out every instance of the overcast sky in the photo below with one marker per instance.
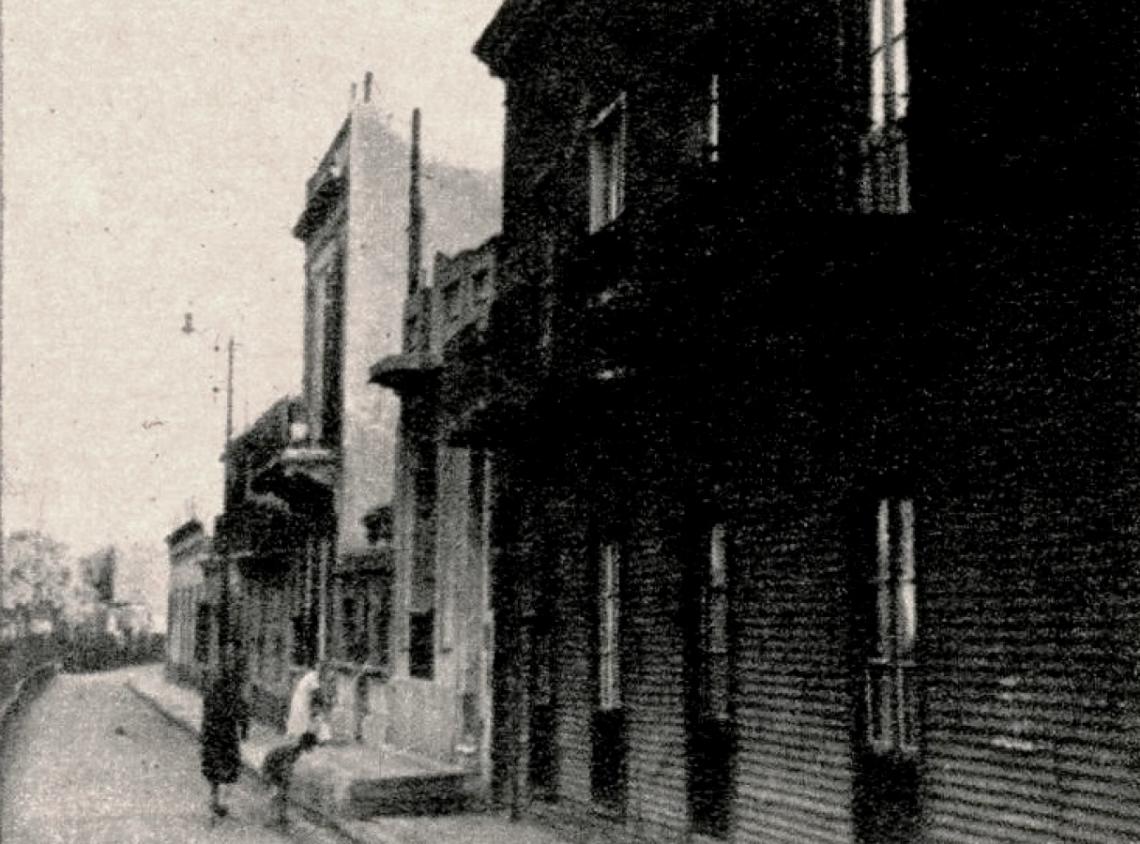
(155, 155)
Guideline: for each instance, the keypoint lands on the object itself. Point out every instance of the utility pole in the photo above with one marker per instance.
(229, 392)
(225, 634)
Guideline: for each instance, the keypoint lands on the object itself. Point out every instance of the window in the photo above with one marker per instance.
(480, 288)
(379, 620)
(202, 634)
(451, 301)
(885, 184)
(421, 644)
(715, 682)
(607, 165)
(333, 356)
(354, 644)
(889, 677)
(609, 618)
(608, 768)
(712, 139)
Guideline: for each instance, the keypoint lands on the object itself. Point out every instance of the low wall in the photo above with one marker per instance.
(23, 693)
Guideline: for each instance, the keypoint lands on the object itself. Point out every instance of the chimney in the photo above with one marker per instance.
(367, 86)
(415, 211)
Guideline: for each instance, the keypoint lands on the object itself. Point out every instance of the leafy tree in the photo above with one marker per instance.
(36, 578)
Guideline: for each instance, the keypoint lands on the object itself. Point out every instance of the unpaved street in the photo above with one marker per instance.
(92, 763)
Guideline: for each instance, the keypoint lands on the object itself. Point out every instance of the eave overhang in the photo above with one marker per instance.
(407, 372)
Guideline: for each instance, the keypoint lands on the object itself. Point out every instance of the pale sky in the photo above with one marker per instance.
(155, 156)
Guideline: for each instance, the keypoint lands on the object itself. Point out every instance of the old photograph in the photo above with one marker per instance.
(570, 422)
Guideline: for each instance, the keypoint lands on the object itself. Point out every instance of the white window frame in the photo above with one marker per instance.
(886, 178)
(609, 628)
(608, 163)
(889, 673)
(713, 128)
(717, 671)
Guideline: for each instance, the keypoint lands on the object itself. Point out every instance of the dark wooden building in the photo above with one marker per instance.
(266, 591)
(814, 421)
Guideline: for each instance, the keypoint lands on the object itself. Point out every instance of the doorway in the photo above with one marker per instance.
(887, 726)
(711, 739)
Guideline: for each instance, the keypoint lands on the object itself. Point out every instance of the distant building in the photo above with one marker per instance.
(127, 620)
(190, 615)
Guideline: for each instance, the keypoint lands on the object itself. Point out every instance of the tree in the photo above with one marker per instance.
(36, 578)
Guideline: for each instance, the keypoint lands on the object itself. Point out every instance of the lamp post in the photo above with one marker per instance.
(225, 635)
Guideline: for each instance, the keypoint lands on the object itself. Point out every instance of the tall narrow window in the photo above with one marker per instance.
(609, 619)
(889, 680)
(713, 132)
(608, 756)
(716, 674)
(886, 186)
(607, 164)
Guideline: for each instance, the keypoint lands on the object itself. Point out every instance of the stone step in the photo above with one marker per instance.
(423, 794)
(339, 781)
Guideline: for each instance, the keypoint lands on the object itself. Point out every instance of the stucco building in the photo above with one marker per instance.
(340, 463)
(439, 694)
(190, 617)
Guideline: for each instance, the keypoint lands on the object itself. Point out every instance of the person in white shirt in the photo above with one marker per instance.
(307, 707)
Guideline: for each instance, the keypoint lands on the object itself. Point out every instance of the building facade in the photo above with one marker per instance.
(190, 616)
(814, 495)
(440, 690)
(263, 588)
(339, 466)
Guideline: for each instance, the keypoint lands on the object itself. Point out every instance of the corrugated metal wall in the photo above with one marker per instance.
(1031, 682)
(794, 771)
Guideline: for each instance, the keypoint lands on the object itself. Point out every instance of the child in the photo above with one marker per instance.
(278, 772)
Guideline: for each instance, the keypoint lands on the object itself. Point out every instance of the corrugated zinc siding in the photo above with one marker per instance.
(794, 770)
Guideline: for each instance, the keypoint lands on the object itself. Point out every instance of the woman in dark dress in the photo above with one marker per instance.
(225, 721)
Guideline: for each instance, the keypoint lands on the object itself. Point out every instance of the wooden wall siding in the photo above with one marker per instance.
(794, 768)
(1031, 705)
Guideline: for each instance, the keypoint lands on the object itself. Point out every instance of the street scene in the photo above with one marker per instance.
(90, 761)
(570, 422)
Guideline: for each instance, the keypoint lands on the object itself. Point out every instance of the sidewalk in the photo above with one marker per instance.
(329, 772)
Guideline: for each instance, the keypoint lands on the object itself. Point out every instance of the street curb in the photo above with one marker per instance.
(312, 814)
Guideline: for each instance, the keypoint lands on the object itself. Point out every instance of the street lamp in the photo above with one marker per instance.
(188, 329)
(225, 611)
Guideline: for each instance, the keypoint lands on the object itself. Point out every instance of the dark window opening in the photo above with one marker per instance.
(333, 358)
(380, 622)
(354, 644)
(421, 645)
(202, 634)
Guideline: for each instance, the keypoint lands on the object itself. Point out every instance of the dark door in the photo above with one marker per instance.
(887, 725)
(543, 760)
(711, 733)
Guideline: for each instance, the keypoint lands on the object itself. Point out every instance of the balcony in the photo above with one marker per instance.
(278, 458)
(260, 533)
(409, 372)
(303, 474)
